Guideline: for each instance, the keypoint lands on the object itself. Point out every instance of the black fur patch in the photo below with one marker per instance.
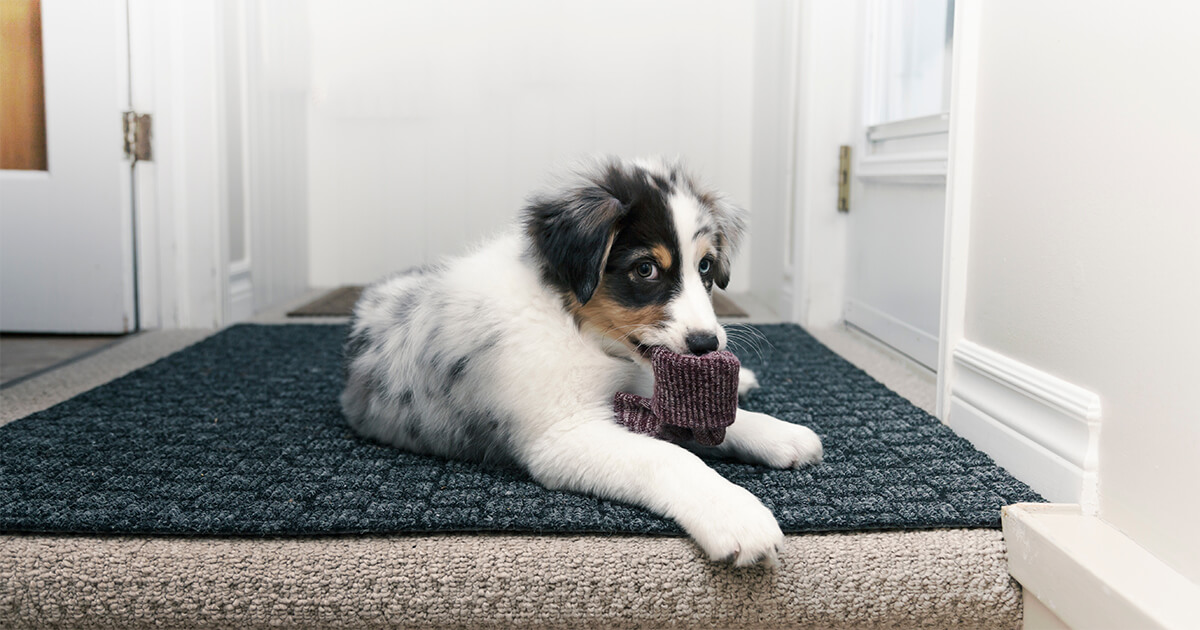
(484, 437)
(571, 231)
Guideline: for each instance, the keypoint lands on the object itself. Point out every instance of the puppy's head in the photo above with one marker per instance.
(635, 248)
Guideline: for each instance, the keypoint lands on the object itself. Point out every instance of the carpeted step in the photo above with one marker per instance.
(907, 579)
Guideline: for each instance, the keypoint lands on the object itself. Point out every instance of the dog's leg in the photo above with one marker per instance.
(598, 457)
(747, 381)
(757, 438)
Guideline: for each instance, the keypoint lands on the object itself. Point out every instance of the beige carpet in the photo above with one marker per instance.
(928, 579)
(934, 579)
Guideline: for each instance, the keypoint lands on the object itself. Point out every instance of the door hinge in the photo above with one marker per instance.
(139, 129)
(843, 203)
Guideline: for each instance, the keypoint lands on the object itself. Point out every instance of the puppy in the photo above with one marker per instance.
(511, 355)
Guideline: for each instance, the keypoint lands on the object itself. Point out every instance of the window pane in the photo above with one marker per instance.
(22, 104)
(909, 59)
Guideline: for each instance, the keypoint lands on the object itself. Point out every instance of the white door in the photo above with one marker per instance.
(897, 206)
(66, 236)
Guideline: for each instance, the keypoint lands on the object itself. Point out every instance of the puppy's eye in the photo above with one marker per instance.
(648, 270)
(705, 266)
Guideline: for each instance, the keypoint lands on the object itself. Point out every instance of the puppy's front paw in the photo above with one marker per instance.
(791, 446)
(760, 439)
(747, 381)
(738, 528)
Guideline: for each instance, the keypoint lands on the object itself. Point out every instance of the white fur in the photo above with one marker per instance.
(543, 391)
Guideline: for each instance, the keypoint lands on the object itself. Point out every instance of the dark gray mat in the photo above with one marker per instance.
(241, 435)
(340, 303)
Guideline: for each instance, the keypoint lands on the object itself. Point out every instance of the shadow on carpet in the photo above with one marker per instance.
(241, 434)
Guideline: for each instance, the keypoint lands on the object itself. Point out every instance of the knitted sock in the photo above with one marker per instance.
(695, 397)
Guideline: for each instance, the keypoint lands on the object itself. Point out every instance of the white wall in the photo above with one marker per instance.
(1085, 226)
(431, 122)
(773, 148)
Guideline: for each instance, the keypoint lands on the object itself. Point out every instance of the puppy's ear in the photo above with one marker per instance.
(731, 225)
(572, 232)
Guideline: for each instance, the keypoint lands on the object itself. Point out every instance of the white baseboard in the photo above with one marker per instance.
(241, 293)
(1090, 575)
(786, 307)
(917, 344)
(1039, 427)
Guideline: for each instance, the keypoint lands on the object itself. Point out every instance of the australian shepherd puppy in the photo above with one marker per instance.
(512, 354)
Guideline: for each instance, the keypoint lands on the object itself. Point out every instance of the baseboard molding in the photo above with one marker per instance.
(1041, 428)
(1090, 575)
(241, 294)
(913, 342)
(786, 306)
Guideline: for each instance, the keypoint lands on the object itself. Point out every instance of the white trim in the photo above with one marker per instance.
(180, 209)
(913, 342)
(827, 70)
(241, 292)
(909, 128)
(787, 299)
(1071, 400)
(959, 178)
(794, 39)
(1041, 428)
(918, 167)
(1091, 575)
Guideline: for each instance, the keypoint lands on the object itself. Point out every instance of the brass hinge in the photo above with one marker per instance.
(138, 130)
(843, 204)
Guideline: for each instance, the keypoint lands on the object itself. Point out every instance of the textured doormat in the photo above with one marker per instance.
(241, 434)
(340, 303)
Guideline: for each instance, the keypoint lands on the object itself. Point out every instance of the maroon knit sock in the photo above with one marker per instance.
(695, 397)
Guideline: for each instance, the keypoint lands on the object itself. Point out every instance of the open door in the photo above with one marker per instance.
(897, 207)
(66, 234)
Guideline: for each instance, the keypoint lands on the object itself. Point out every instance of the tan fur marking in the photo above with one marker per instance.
(663, 255)
(604, 316)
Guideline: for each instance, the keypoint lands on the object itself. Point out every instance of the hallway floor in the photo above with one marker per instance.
(23, 355)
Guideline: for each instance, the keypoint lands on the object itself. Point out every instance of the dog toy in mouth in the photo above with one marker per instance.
(695, 398)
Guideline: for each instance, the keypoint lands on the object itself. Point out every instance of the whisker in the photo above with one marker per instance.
(745, 336)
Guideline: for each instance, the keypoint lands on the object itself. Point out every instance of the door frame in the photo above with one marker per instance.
(192, 68)
(960, 174)
(824, 116)
(179, 206)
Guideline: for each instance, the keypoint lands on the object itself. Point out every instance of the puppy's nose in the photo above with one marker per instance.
(699, 343)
